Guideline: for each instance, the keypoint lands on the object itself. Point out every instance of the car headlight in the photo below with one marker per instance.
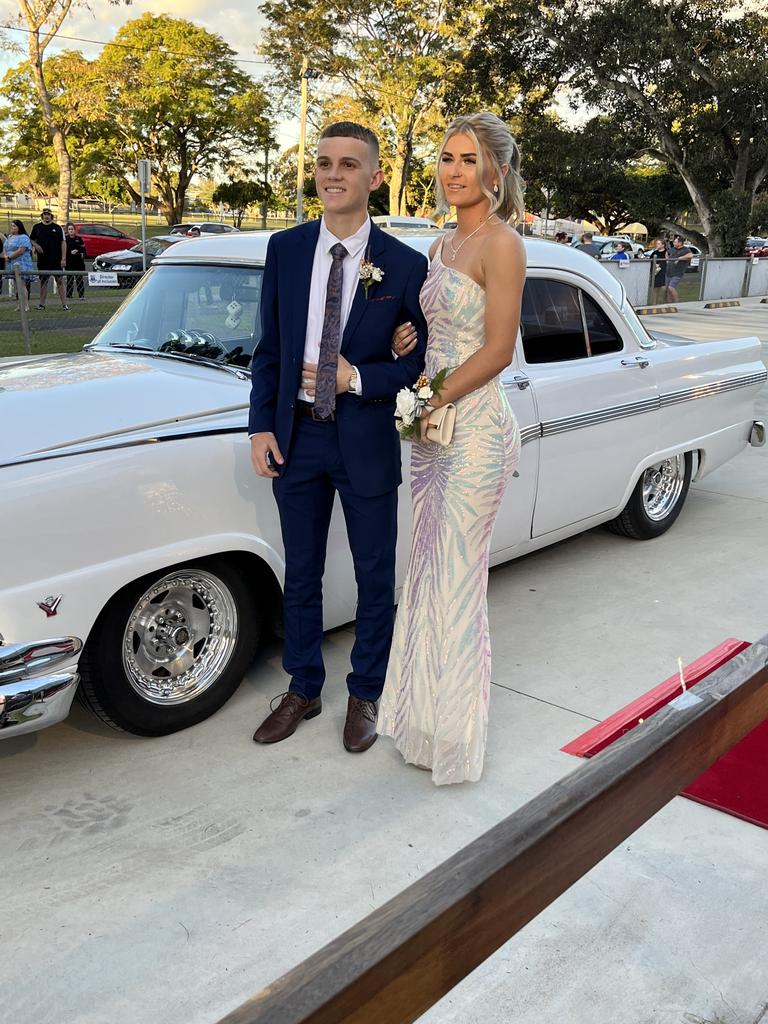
(122, 266)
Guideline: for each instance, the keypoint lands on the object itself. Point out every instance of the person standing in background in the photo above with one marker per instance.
(48, 242)
(587, 245)
(678, 261)
(75, 261)
(17, 249)
(658, 252)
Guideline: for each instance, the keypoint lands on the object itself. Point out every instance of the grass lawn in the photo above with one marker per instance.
(54, 329)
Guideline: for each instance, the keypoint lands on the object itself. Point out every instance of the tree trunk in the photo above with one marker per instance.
(58, 140)
(399, 177)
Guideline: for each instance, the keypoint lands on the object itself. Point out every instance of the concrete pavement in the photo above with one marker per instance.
(167, 880)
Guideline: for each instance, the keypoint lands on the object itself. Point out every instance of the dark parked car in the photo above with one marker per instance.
(100, 238)
(130, 259)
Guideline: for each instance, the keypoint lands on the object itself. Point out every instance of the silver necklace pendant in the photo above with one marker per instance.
(455, 252)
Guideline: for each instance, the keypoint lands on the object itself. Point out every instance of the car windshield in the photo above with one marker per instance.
(200, 312)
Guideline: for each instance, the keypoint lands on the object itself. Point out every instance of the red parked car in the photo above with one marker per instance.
(756, 247)
(101, 238)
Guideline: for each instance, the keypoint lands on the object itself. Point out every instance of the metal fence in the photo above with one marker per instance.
(713, 279)
(77, 305)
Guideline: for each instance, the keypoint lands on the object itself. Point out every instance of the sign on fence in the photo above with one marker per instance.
(102, 279)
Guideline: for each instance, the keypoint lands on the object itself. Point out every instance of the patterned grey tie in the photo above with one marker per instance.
(330, 340)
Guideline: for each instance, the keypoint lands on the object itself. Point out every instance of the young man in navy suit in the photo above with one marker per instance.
(322, 420)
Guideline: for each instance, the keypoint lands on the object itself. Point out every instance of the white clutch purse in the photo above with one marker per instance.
(441, 423)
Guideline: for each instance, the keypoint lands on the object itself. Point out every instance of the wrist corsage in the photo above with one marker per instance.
(411, 402)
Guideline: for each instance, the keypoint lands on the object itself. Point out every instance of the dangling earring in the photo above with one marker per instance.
(495, 188)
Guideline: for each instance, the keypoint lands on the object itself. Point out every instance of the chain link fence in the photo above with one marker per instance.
(77, 305)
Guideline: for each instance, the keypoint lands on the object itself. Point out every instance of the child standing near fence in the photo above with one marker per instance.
(75, 261)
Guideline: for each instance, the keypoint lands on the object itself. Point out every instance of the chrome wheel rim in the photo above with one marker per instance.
(662, 487)
(180, 637)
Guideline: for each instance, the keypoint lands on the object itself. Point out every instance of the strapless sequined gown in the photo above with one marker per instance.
(435, 699)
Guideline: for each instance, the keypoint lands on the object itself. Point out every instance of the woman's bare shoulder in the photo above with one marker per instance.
(504, 242)
(434, 247)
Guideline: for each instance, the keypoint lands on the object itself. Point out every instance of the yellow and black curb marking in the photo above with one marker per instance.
(722, 305)
(652, 310)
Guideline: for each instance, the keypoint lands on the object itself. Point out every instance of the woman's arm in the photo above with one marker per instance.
(503, 265)
(16, 253)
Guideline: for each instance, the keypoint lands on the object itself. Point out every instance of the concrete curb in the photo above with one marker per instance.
(653, 310)
(722, 305)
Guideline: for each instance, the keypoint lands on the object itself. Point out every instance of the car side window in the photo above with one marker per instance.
(551, 324)
(603, 336)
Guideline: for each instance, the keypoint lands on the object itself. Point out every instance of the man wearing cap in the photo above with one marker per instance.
(51, 248)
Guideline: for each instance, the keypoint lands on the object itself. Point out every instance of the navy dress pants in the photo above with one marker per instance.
(305, 493)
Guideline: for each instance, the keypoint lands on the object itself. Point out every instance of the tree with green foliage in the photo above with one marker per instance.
(25, 146)
(239, 195)
(593, 173)
(758, 220)
(395, 60)
(43, 19)
(690, 76)
(170, 92)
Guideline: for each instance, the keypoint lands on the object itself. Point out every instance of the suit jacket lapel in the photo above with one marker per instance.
(302, 281)
(377, 243)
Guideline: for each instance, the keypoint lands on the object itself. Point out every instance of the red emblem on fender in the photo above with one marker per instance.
(50, 605)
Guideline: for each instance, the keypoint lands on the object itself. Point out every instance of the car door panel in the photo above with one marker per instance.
(598, 412)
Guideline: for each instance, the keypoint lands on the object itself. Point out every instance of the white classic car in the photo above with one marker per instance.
(142, 556)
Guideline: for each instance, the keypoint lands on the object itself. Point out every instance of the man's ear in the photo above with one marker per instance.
(376, 180)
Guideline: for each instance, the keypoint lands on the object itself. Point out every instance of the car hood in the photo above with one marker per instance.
(119, 254)
(60, 404)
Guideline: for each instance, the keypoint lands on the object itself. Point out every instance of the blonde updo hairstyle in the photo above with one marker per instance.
(495, 143)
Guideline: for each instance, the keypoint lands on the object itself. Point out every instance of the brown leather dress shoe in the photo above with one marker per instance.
(360, 726)
(284, 720)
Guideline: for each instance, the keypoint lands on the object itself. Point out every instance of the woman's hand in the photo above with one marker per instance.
(426, 412)
(404, 340)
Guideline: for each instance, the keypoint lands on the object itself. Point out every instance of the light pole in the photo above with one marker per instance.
(306, 74)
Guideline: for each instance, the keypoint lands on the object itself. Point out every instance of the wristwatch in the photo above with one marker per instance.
(352, 382)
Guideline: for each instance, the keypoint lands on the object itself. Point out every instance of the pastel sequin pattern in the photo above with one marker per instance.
(435, 699)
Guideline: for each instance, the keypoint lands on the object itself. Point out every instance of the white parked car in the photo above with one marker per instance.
(142, 555)
(387, 221)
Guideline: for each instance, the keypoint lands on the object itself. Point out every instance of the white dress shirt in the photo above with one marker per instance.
(355, 245)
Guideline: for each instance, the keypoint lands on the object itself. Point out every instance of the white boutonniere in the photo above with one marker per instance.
(369, 274)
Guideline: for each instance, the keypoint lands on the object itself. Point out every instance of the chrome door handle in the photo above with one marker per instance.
(640, 361)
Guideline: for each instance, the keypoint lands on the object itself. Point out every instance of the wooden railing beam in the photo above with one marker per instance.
(401, 959)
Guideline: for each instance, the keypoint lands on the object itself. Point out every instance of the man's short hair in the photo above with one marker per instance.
(46, 210)
(352, 130)
(587, 234)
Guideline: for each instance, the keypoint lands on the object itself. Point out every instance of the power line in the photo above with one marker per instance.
(130, 46)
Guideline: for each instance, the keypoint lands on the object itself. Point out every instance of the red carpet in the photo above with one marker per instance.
(736, 784)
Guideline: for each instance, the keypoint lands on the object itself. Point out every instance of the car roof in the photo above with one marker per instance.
(250, 247)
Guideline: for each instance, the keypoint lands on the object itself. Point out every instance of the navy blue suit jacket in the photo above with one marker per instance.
(368, 440)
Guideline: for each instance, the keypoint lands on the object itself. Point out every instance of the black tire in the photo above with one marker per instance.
(635, 521)
(118, 682)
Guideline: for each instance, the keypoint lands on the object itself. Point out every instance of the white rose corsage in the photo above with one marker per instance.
(369, 275)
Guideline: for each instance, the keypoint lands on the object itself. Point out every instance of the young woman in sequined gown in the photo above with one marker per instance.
(435, 699)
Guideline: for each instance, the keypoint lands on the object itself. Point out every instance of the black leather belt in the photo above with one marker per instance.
(307, 410)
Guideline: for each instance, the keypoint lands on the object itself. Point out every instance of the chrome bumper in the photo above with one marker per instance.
(757, 434)
(31, 695)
